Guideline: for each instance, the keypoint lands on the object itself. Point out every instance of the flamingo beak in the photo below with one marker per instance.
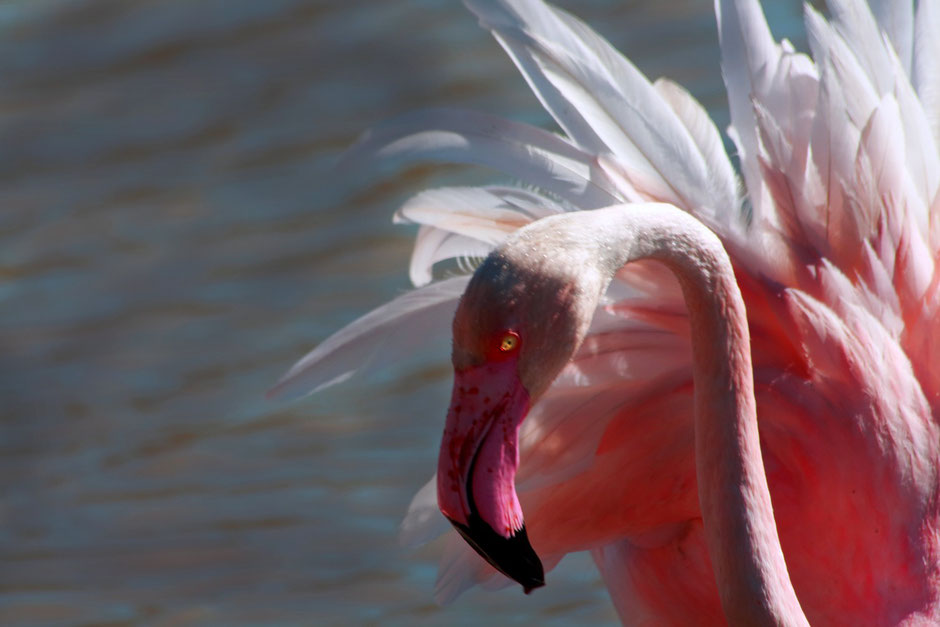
(477, 469)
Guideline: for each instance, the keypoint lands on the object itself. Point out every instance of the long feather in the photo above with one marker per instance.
(378, 338)
(530, 154)
(475, 212)
(861, 34)
(597, 95)
(746, 47)
(463, 222)
(847, 99)
(706, 137)
(502, 20)
(896, 19)
(926, 70)
(922, 156)
(424, 520)
(434, 245)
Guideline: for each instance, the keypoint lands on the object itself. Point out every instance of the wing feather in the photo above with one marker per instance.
(530, 154)
(605, 104)
(433, 245)
(896, 19)
(926, 70)
(376, 339)
(466, 222)
(746, 46)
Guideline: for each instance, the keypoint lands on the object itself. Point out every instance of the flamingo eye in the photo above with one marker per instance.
(509, 342)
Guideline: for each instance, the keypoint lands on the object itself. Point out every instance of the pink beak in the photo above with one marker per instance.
(477, 469)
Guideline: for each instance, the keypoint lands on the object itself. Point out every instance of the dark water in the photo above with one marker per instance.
(171, 240)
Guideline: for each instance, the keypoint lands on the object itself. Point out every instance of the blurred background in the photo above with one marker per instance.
(172, 239)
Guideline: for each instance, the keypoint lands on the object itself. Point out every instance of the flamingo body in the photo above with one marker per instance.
(836, 254)
(837, 517)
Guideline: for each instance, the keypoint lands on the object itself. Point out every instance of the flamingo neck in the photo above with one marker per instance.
(737, 514)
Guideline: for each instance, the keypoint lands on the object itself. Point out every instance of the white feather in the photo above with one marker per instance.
(746, 48)
(424, 521)
(926, 70)
(498, 19)
(847, 99)
(861, 34)
(377, 339)
(706, 137)
(480, 213)
(922, 156)
(466, 222)
(597, 95)
(433, 245)
(530, 154)
(896, 19)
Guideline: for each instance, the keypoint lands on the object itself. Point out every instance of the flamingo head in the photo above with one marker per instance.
(516, 326)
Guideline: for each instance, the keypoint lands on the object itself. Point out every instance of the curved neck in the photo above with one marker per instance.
(740, 530)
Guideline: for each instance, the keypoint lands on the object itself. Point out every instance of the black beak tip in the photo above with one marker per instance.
(512, 556)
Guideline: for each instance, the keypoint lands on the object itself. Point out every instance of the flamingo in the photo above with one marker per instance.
(507, 351)
(731, 402)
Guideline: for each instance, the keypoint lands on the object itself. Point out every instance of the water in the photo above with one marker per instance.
(172, 239)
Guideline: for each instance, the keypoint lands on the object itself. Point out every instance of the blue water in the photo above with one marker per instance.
(172, 239)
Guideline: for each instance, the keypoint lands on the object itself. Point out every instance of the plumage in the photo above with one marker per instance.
(466, 222)
(542, 159)
(834, 239)
(373, 340)
(601, 99)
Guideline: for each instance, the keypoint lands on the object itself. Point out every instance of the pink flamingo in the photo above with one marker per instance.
(813, 495)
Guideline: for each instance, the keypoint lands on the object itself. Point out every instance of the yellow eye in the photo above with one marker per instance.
(509, 342)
